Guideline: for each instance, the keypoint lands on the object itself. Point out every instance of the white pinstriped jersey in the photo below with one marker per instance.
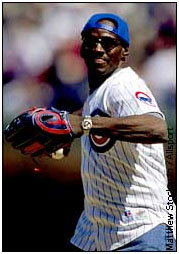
(125, 183)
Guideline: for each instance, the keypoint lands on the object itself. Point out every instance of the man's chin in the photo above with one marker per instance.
(101, 72)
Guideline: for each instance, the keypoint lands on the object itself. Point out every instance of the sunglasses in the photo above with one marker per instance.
(107, 43)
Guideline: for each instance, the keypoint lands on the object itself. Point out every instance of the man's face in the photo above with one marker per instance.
(101, 51)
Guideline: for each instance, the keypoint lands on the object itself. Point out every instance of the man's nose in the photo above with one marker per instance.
(99, 47)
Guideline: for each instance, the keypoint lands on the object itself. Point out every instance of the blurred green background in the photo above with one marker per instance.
(42, 200)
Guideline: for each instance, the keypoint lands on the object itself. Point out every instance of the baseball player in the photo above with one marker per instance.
(126, 205)
(123, 171)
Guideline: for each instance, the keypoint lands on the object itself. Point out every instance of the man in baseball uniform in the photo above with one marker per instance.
(126, 205)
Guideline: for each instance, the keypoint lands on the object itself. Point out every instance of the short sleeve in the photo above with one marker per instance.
(131, 98)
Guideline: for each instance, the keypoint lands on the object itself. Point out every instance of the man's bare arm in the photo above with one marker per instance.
(136, 129)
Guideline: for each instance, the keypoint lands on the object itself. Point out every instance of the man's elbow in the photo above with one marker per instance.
(163, 137)
(162, 133)
(158, 131)
(158, 137)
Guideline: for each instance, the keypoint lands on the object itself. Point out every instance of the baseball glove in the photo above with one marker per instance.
(40, 131)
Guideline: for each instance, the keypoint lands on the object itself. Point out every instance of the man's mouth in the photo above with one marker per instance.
(99, 61)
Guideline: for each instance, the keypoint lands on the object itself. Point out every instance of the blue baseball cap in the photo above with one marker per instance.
(121, 31)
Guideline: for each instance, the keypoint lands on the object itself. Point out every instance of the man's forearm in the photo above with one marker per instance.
(137, 129)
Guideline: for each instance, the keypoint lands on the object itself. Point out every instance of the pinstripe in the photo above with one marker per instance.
(154, 181)
(152, 196)
(120, 180)
(111, 194)
(124, 111)
(126, 103)
(132, 99)
(80, 229)
(83, 155)
(104, 190)
(96, 179)
(98, 228)
(104, 228)
(128, 107)
(110, 236)
(157, 183)
(90, 191)
(125, 170)
(114, 179)
(115, 235)
(128, 176)
(118, 107)
(100, 215)
(85, 242)
(121, 108)
(110, 189)
(134, 158)
(90, 246)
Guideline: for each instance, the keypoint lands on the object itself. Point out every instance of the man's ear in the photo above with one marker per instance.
(124, 54)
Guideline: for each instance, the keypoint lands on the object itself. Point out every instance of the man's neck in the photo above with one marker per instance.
(96, 80)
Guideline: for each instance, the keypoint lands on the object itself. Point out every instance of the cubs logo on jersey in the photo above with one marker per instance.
(143, 97)
(100, 144)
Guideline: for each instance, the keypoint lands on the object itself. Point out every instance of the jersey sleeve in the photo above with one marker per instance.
(131, 98)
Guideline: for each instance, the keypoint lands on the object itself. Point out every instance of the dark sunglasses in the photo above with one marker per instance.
(107, 43)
